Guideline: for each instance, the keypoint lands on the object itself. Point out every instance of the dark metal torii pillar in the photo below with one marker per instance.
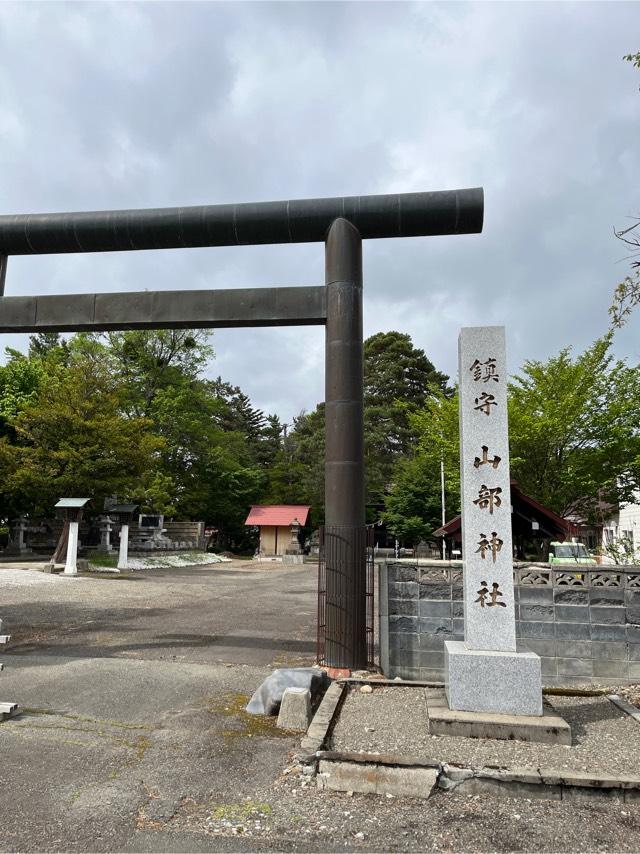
(344, 530)
(342, 223)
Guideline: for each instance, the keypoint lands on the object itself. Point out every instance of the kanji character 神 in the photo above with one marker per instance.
(493, 545)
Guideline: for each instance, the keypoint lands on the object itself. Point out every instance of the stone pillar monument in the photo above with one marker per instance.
(486, 673)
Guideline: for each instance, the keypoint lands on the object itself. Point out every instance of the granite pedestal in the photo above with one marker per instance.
(498, 681)
(547, 728)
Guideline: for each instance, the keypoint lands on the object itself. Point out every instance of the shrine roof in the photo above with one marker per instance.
(278, 514)
(72, 502)
(123, 508)
(540, 508)
(449, 528)
(517, 498)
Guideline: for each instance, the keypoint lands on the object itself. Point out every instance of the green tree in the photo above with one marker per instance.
(262, 433)
(147, 362)
(413, 507)
(44, 344)
(132, 414)
(633, 58)
(296, 475)
(72, 439)
(575, 430)
(399, 379)
(215, 480)
(20, 381)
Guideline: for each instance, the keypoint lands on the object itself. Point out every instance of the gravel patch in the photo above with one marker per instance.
(631, 693)
(30, 577)
(293, 815)
(394, 720)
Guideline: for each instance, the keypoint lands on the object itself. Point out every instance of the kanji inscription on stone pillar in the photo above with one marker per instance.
(486, 503)
(486, 673)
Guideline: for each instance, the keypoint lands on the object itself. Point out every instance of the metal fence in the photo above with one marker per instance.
(340, 548)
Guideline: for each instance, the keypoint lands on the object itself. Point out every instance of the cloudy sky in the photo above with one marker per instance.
(118, 105)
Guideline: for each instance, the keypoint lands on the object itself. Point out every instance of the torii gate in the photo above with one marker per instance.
(342, 224)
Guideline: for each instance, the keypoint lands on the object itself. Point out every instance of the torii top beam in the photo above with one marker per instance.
(294, 221)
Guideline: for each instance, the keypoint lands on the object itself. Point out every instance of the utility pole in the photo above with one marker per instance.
(444, 518)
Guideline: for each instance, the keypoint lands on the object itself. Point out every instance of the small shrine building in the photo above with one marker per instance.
(274, 522)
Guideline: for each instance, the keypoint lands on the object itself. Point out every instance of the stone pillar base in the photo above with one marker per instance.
(505, 683)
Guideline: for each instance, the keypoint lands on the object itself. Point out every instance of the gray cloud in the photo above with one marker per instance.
(133, 105)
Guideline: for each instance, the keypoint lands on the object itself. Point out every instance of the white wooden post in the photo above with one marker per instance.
(7, 710)
(124, 546)
(70, 567)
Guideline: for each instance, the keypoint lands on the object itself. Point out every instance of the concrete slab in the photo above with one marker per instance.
(8, 710)
(549, 728)
(376, 779)
(323, 718)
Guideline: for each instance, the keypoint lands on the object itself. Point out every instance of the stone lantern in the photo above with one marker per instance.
(106, 526)
(294, 546)
(17, 544)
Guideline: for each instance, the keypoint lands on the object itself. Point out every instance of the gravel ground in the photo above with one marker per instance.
(394, 720)
(293, 815)
(631, 693)
(11, 577)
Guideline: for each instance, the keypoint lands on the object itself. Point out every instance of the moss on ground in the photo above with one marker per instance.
(99, 559)
(240, 812)
(233, 705)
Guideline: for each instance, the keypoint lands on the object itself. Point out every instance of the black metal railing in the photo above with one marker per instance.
(345, 564)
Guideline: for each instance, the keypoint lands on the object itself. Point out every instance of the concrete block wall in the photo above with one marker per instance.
(585, 625)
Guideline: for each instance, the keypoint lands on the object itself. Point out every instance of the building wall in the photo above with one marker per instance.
(624, 524)
(268, 543)
(629, 521)
(585, 626)
(628, 524)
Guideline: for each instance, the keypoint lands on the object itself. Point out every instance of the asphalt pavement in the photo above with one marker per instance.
(133, 735)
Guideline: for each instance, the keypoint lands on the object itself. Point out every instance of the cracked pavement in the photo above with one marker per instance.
(133, 736)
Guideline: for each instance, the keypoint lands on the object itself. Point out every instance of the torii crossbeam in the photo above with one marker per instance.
(341, 223)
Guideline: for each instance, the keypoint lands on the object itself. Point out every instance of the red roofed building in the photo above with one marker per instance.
(274, 521)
